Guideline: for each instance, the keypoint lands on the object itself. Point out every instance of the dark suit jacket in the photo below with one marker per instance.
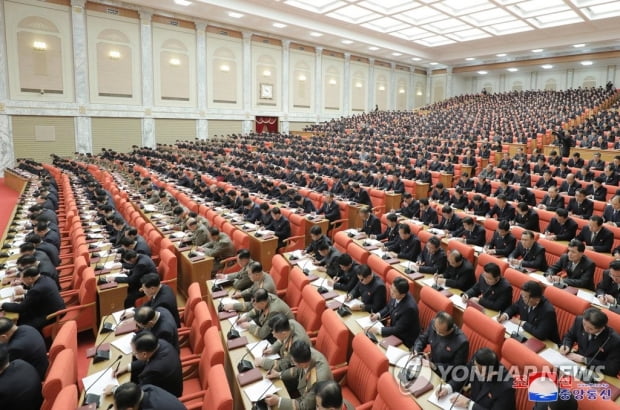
(603, 241)
(490, 395)
(362, 197)
(372, 295)
(446, 351)
(42, 299)
(583, 210)
(166, 298)
(528, 221)
(453, 224)
(607, 356)
(28, 344)
(429, 216)
(480, 210)
(476, 236)
(553, 204)
(411, 210)
(20, 387)
(564, 232)
(598, 194)
(461, 277)
(331, 211)
(609, 215)
(51, 251)
(372, 225)
(484, 189)
(496, 297)
(155, 398)
(143, 265)
(503, 245)
(281, 228)
(404, 322)
(432, 263)
(390, 234)
(607, 286)
(253, 214)
(406, 249)
(580, 277)
(162, 370)
(165, 328)
(570, 189)
(506, 214)
(533, 258)
(541, 321)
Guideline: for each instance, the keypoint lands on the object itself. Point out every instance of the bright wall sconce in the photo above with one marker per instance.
(381, 88)
(358, 84)
(114, 54)
(301, 77)
(332, 81)
(267, 73)
(225, 68)
(39, 45)
(175, 62)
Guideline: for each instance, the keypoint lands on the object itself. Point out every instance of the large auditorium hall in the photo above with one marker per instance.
(309, 204)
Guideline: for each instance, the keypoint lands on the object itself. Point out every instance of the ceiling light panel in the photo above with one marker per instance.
(602, 11)
(455, 7)
(412, 33)
(434, 41)
(385, 25)
(536, 7)
(316, 6)
(353, 14)
(447, 26)
(389, 6)
(555, 19)
(509, 27)
(467, 35)
(487, 17)
(421, 15)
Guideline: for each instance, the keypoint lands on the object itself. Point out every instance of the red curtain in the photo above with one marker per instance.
(266, 124)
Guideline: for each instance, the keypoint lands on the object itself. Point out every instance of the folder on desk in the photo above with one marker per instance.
(197, 258)
(219, 294)
(226, 315)
(420, 386)
(333, 304)
(250, 376)
(534, 344)
(127, 326)
(415, 275)
(236, 343)
(109, 285)
(329, 295)
(475, 305)
(390, 341)
(103, 348)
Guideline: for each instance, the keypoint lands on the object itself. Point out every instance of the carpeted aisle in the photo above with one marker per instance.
(8, 200)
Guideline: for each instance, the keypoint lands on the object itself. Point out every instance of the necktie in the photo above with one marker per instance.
(593, 237)
(590, 337)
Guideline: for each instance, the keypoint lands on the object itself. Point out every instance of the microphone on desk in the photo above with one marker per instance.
(322, 289)
(107, 327)
(192, 251)
(232, 334)
(589, 375)
(411, 372)
(110, 406)
(305, 270)
(101, 266)
(408, 268)
(244, 365)
(436, 286)
(517, 334)
(94, 398)
(370, 335)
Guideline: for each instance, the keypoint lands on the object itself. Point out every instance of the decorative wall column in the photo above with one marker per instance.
(412, 90)
(393, 90)
(429, 79)
(346, 87)
(7, 152)
(318, 83)
(246, 126)
(570, 77)
(83, 130)
(533, 80)
(611, 73)
(502, 83)
(201, 80)
(449, 83)
(146, 37)
(371, 84)
(286, 90)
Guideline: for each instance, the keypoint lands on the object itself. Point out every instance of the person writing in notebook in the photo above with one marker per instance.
(370, 288)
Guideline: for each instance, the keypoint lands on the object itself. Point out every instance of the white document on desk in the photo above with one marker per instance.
(95, 385)
(541, 278)
(112, 265)
(234, 325)
(365, 322)
(259, 390)
(306, 265)
(123, 343)
(257, 350)
(121, 314)
(509, 326)
(7, 292)
(429, 281)
(226, 300)
(458, 301)
(445, 402)
(149, 208)
(322, 282)
(557, 359)
(396, 356)
(379, 253)
(590, 297)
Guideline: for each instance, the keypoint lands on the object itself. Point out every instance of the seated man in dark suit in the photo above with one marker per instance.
(552, 200)
(526, 217)
(410, 207)
(131, 396)
(502, 211)
(576, 161)
(450, 222)
(493, 389)
(596, 191)
(546, 181)
(432, 259)
(305, 204)
(390, 235)
(360, 195)
(570, 185)
(503, 242)
(608, 289)
(561, 227)
(531, 253)
(580, 206)
(407, 246)
(428, 215)
(505, 190)
(280, 226)
(578, 267)
(24, 343)
(525, 195)
(20, 385)
(611, 214)
(330, 208)
(465, 182)
(459, 200)
(160, 295)
(491, 291)
(479, 206)
(459, 273)
(140, 266)
(39, 298)
(317, 237)
(155, 362)
(159, 322)
(536, 314)
(345, 278)
(596, 237)
(440, 194)
(483, 186)
(371, 225)
(471, 233)
(251, 211)
(370, 288)
(402, 311)
(589, 332)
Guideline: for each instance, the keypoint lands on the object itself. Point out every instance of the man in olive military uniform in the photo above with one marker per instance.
(241, 279)
(260, 280)
(266, 306)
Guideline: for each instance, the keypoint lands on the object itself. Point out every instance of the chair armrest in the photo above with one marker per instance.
(339, 221)
(192, 396)
(55, 315)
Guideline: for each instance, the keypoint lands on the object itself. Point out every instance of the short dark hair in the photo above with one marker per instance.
(345, 259)
(595, 316)
(300, 351)
(279, 323)
(445, 317)
(493, 269)
(30, 272)
(576, 243)
(468, 220)
(145, 341)
(486, 357)
(144, 314)
(392, 217)
(244, 254)
(127, 395)
(330, 393)
(401, 285)
(533, 288)
(316, 230)
(504, 225)
(405, 228)
(260, 295)
(364, 271)
(150, 280)
(6, 324)
(433, 240)
(597, 219)
(26, 247)
(561, 212)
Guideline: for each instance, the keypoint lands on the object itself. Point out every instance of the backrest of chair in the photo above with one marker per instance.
(614, 320)
(88, 289)
(333, 338)
(567, 307)
(485, 258)
(482, 331)
(167, 265)
(166, 244)
(359, 254)
(202, 321)
(279, 271)
(212, 354)
(466, 250)
(310, 309)
(67, 398)
(490, 226)
(602, 261)
(553, 250)
(431, 302)
(378, 265)
(218, 395)
(66, 338)
(367, 364)
(241, 239)
(342, 241)
(516, 279)
(62, 373)
(297, 280)
(390, 396)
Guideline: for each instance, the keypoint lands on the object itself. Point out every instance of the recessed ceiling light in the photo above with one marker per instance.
(469, 59)
(537, 50)
(396, 54)
(586, 63)
(546, 66)
(579, 45)
(235, 15)
(433, 63)
(346, 41)
(315, 34)
(482, 72)
(279, 25)
(373, 48)
(416, 58)
(512, 69)
(500, 55)
(182, 2)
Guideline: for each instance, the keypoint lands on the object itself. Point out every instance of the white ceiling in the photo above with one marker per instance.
(422, 32)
